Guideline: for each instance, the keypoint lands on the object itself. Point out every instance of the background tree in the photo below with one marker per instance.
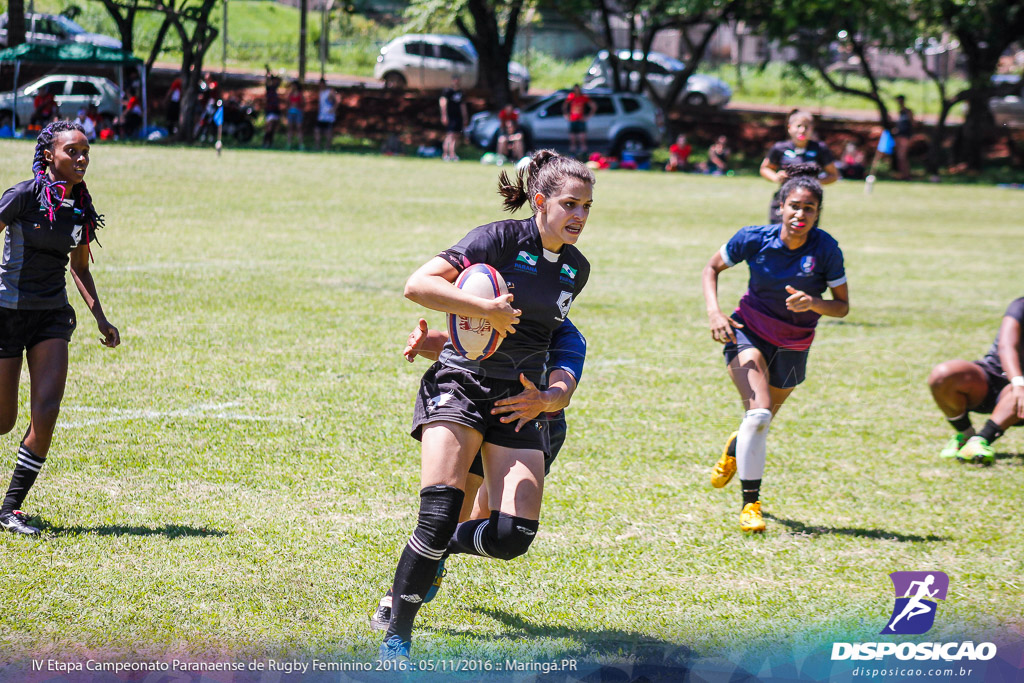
(15, 23)
(492, 27)
(696, 20)
(985, 30)
(191, 21)
(819, 31)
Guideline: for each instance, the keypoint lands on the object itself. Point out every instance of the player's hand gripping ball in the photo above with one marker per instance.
(474, 338)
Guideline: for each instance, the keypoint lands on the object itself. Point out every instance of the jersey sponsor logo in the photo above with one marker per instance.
(564, 302)
(527, 258)
(526, 262)
(807, 265)
(567, 276)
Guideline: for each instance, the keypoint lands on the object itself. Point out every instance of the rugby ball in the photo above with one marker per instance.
(473, 338)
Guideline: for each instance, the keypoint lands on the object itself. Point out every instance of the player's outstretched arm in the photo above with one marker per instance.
(527, 405)
(424, 342)
(79, 264)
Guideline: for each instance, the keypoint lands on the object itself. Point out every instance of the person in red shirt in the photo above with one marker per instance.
(510, 139)
(45, 106)
(576, 110)
(679, 155)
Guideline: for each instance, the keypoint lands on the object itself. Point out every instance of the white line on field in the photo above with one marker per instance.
(204, 411)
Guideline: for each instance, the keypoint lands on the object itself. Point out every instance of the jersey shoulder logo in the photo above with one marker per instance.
(564, 303)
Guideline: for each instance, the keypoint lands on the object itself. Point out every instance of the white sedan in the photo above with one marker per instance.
(72, 92)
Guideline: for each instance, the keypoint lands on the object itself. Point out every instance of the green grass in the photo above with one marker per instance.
(778, 85)
(237, 479)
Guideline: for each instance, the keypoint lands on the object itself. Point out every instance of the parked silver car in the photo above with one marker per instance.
(623, 121)
(72, 92)
(701, 90)
(430, 61)
(1008, 110)
(56, 29)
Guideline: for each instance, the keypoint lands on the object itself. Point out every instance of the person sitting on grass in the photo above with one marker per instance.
(679, 155)
(510, 139)
(994, 384)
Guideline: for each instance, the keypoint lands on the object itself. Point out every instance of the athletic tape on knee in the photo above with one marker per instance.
(439, 515)
(752, 444)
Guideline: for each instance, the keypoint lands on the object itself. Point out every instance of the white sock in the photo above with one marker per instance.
(752, 444)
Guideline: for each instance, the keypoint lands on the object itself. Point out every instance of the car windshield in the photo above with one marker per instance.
(69, 26)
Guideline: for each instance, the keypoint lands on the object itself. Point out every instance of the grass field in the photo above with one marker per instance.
(237, 479)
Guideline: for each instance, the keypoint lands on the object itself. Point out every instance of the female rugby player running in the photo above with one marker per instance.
(453, 415)
(768, 336)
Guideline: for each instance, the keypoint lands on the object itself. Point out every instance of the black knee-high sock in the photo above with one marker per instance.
(439, 515)
(26, 469)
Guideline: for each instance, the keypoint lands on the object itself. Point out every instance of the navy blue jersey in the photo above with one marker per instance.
(813, 268)
(1016, 311)
(36, 251)
(568, 350)
(544, 284)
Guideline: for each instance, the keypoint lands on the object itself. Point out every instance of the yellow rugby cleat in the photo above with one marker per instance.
(751, 520)
(725, 468)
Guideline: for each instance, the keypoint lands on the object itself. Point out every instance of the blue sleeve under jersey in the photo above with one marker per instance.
(568, 350)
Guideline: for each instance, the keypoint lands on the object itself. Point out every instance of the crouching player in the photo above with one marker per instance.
(566, 355)
(994, 384)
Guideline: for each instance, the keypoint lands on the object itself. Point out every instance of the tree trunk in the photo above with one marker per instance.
(15, 23)
(125, 23)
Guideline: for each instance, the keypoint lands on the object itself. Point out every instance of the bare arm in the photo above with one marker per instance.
(836, 307)
(431, 287)
(771, 172)
(424, 342)
(831, 174)
(532, 401)
(721, 325)
(79, 265)
(1009, 342)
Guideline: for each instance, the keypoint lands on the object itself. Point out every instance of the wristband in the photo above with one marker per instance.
(1018, 381)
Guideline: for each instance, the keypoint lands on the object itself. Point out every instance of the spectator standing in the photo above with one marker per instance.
(272, 108)
(453, 116)
(327, 103)
(296, 104)
(901, 133)
(577, 109)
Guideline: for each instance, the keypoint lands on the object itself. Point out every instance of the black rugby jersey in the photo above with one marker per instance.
(784, 154)
(36, 252)
(1016, 311)
(544, 285)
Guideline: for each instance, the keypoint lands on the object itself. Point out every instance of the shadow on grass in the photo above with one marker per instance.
(882, 534)
(607, 642)
(169, 530)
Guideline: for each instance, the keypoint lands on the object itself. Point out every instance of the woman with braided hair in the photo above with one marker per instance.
(768, 336)
(456, 412)
(48, 223)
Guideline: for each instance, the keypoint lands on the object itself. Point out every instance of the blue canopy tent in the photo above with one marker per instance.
(76, 53)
